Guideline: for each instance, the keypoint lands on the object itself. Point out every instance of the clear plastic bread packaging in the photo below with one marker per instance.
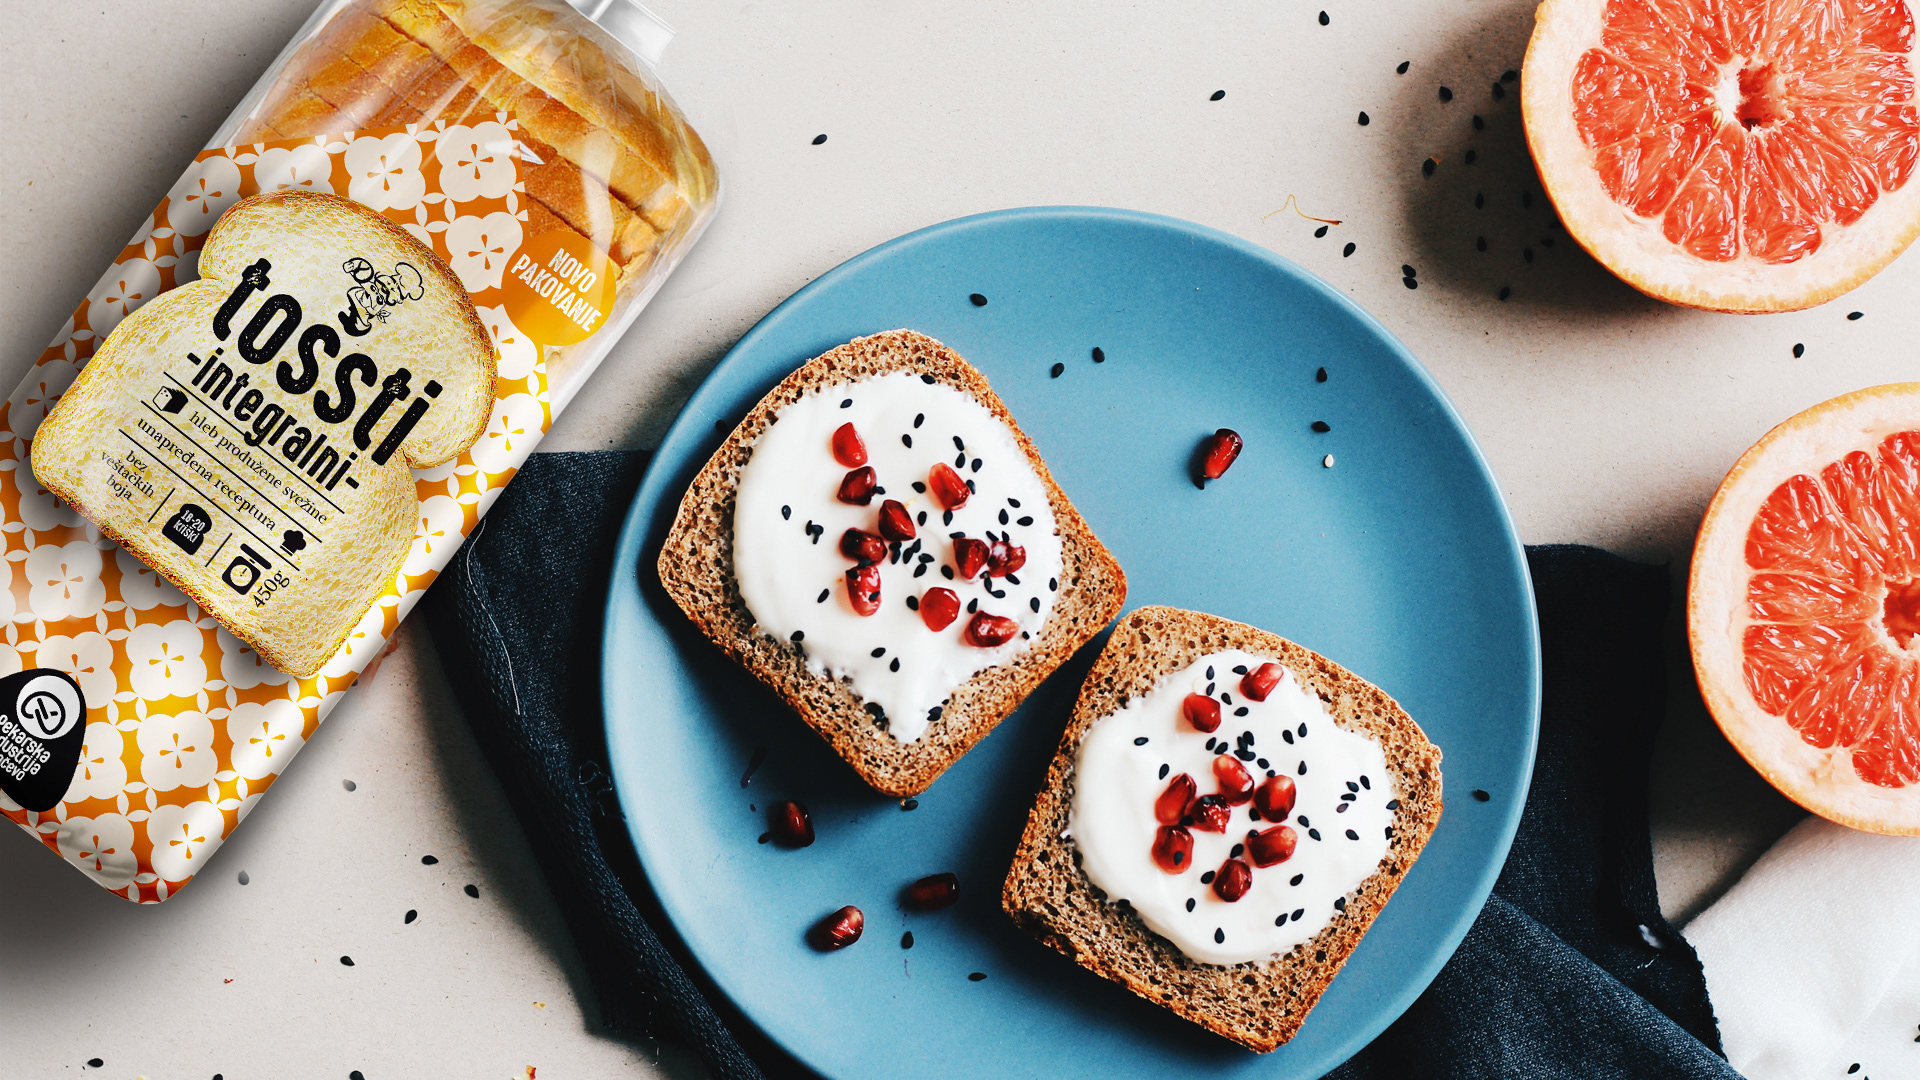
(530, 150)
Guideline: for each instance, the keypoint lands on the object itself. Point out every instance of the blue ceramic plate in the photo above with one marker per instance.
(1399, 562)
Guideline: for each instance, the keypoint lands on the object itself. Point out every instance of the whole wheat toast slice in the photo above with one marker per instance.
(696, 567)
(1258, 1004)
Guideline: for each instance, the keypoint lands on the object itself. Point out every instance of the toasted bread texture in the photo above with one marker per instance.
(1259, 1004)
(199, 443)
(696, 567)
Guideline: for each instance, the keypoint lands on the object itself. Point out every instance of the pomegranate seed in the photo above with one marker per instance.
(792, 825)
(856, 488)
(934, 891)
(848, 449)
(986, 630)
(1270, 846)
(969, 557)
(1201, 711)
(1210, 813)
(938, 608)
(1218, 453)
(1236, 787)
(862, 547)
(1233, 880)
(1259, 682)
(1172, 849)
(1171, 806)
(895, 522)
(948, 487)
(1275, 798)
(1004, 558)
(863, 589)
(840, 929)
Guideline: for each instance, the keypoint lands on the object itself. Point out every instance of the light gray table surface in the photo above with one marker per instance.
(1608, 418)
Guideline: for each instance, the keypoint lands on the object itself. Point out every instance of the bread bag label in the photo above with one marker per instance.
(41, 716)
(185, 724)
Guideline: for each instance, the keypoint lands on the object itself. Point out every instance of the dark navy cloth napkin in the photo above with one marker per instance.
(1570, 972)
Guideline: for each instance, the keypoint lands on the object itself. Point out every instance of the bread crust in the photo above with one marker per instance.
(696, 567)
(1259, 1004)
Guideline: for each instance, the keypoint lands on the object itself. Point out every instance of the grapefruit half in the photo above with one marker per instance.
(1738, 155)
(1803, 608)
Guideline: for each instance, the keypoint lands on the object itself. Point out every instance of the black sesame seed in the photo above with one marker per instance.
(1446, 94)
(428, 860)
(973, 605)
(1340, 904)
(1219, 935)
(1402, 69)
(928, 379)
(1479, 124)
(912, 804)
(1209, 675)
(1351, 835)
(1505, 292)
(1210, 743)
(1238, 850)
(346, 961)
(1393, 804)
(1799, 351)
(879, 652)
(1141, 741)
(934, 713)
(1241, 669)
(1034, 603)
(1526, 200)
(1013, 579)
(244, 879)
(1323, 19)
(847, 404)
(1217, 95)
(411, 915)
(1189, 903)
(1287, 735)
(1281, 919)
(1854, 316)
(1347, 798)
(978, 300)
(1244, 755)
(1303, 731)
(1344, 253)
(1013, 502)
(1303, 768)
(1057, 370)
(906, 940)
(1509, 75)
(1427, 167)
(922, 489)
(1297, 879)
(946, 571)
(1480, 201)
(1363, 119)
(1351, 786)
(818, 139)
(95, 1063)
(918, 419)
(1302, 819)
(786, 513)
(1342, 808)
(946, 517)
(1262, 763)
(1321, 426)
(1003, 517)
(1163, 771)
(1481, 795)
(1546, 241)
(978, 975)
(1024, 521)
(797, 635)
(1479, 243)
(1319, 232)
(1301, 913)
(473, 891)
(1053, 584)
(1206, 878)
(1499, 91)
(907, 441)
(1365, 783)
(1471, 157)
(976, 468)
(1410, 283)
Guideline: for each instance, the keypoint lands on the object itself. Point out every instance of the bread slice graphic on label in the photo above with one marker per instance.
(249, 435)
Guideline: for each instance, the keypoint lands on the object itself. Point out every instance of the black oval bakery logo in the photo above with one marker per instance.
(42, 726)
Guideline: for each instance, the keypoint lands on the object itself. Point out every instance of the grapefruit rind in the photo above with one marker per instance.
(1821, 780)
(1633, 247)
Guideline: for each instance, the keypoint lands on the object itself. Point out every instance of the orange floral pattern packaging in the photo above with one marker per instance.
(536, 156)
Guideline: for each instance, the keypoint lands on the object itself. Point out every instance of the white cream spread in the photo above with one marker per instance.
(1340, 816)
(788, 521)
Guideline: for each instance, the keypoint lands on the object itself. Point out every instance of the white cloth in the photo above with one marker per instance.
(1813, 958)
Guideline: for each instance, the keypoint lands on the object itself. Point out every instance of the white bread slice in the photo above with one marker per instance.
(1260, 1004)
(158, 419)
(696, 566)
